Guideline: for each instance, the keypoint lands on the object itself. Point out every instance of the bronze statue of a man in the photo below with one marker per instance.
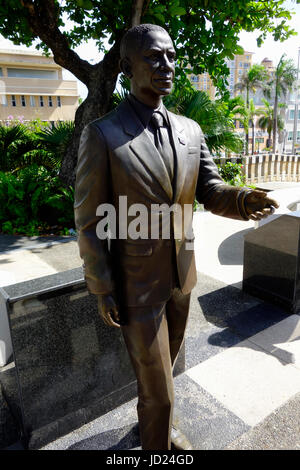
(144, 152)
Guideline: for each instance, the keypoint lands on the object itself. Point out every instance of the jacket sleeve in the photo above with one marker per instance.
(91, 190)
(218, 197)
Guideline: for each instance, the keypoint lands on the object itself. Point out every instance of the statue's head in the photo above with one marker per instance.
(148, 59)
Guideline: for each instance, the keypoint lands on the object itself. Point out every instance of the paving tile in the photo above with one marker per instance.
(282, 340)
(279, 431)
(204, 420)
(114, 430)
(247, 380)
(18, 266)
(255, 319)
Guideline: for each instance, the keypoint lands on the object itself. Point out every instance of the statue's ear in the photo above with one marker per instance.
(125, 66)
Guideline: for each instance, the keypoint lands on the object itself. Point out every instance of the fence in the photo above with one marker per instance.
(267, 167)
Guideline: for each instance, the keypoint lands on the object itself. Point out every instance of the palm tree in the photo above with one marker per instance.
(250, 119)
(250, 81)
(54, 142)
(281, 82)
(16, 142)
(214, 117)
(266, 121)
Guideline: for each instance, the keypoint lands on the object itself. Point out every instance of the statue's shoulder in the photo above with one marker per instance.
(107, 120)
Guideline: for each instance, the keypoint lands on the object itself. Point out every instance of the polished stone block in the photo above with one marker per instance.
(271, 262)
(70, 366)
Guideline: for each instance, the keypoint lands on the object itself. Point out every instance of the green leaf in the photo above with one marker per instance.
(239, 50)
(85, 4)
(177, 11)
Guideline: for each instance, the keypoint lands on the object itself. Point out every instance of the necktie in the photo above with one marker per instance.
(162, 141)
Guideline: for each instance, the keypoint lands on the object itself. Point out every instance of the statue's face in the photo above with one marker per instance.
(153, 65)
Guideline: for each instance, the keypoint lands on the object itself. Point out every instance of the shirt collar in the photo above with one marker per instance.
(144, 112)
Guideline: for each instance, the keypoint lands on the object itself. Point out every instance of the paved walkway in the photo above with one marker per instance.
(241, 388)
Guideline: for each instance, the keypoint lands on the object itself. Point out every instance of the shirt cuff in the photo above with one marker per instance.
(241, 203)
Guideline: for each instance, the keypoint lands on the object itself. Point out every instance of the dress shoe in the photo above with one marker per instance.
(179, 441)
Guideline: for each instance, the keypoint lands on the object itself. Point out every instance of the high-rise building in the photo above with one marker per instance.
(237, 67)
(203, 82)
(32, 87)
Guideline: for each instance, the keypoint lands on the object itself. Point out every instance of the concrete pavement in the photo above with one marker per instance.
(241, 388)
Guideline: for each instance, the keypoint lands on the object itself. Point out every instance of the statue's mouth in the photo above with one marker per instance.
(164, 80)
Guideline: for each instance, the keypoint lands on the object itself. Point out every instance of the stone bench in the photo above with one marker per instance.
(69, 366)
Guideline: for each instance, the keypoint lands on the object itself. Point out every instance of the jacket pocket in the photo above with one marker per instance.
(136, 249)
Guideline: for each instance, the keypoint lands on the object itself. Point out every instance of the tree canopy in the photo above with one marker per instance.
(205, 33)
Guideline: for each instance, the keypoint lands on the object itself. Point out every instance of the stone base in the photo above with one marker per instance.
(70, 366)
(271, 262)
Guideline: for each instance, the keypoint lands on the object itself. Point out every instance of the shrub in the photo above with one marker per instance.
(34, 202)
(232, 173)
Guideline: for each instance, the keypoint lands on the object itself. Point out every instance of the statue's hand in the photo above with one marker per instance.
(258, 205)
(108, 310)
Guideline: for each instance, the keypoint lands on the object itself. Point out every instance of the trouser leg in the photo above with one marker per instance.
(177, 309)
(147, 342)
(153, 336)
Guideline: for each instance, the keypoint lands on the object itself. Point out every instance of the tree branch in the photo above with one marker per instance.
(43, 21)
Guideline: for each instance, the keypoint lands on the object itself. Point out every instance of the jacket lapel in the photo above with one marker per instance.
(181, 150)
(143, 148)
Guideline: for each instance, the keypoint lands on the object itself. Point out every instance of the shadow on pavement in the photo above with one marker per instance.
(124, 438)
(231, 250)
(18, 242)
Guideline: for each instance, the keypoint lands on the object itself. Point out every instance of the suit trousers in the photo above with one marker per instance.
(153, 336)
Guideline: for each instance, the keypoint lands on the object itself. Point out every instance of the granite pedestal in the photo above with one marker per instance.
(70, 367)
(271, 262)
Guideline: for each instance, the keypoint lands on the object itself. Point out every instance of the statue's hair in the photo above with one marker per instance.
(134, 37)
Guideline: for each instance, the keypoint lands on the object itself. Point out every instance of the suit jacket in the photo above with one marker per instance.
(117, 158)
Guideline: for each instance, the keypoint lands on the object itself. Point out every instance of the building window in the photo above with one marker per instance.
(194, 78)
(292, 114)
(41, 101)
(1, 73)
(58, 101)
(50, 101)
(4, 100)
(290, 136)
(23, 101)
(13, 100)
(32, 101)
(32, 73)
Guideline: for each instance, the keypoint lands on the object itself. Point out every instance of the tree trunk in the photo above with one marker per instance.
(100, 89)
(275, 120)
(247, 133)
(253, 137)
(93, 107)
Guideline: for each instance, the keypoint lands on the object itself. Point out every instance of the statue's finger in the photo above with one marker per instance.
(272, 202)
(114, 318)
